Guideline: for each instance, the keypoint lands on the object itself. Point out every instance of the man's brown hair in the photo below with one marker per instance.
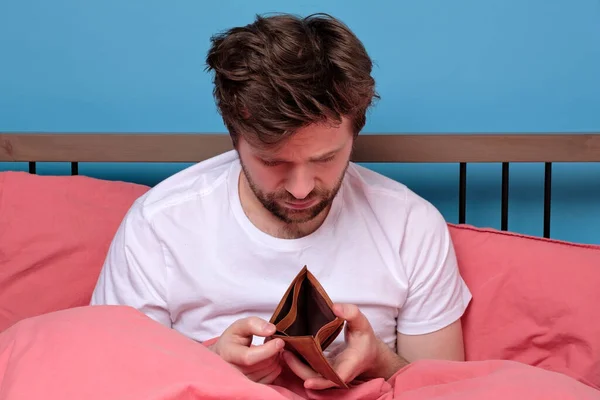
(283, 72)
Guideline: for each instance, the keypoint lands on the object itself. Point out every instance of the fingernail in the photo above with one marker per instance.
(279, 344)
(269, 327)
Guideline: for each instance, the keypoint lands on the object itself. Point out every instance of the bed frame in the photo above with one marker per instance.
(381, 148)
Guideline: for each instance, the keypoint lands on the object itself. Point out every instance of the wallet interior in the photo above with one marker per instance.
(304, 319)
(304, 312)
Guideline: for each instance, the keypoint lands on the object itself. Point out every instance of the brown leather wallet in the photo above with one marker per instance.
(306, 323)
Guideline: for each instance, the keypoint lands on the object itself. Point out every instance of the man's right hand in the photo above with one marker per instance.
(260, 363)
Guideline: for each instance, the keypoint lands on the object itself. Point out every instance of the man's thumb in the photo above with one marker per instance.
(252, 326)
(355, 320)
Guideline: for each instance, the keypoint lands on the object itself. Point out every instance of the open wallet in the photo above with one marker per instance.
(305, 321)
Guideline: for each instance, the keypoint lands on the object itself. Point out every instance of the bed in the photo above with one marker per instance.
(532, 330)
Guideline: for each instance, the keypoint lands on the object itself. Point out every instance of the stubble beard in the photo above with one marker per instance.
(294, 218)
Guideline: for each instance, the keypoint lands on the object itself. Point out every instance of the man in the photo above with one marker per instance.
(210, 250)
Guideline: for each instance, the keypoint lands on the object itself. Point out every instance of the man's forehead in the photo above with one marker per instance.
(310, 142)
(299, 151)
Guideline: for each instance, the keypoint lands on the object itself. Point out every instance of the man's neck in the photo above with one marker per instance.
(270, 224)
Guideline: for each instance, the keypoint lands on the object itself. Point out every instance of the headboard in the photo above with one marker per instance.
(463, 149)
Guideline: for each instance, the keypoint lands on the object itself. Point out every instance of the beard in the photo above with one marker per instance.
(272, 201)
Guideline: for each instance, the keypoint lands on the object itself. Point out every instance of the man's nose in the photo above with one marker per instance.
(300, 182)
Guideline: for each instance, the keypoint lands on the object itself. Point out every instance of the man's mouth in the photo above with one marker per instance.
(300, 205)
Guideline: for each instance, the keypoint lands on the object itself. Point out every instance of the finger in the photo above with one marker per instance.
(319, 384)
(249, 356)
(260, 375)
(356, 321)
(347, 369)
(312, 379)
(299, 368)
(268, 364)
(348, 365)
(270, 377)
(250, 326)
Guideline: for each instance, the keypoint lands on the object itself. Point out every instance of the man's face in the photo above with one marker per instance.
(300, 179)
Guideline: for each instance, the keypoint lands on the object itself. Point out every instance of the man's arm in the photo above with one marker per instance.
(444, 344)
(134, 272)
(429, 323)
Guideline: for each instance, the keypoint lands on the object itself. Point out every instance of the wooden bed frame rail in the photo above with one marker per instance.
(547, 148)
(403, 148)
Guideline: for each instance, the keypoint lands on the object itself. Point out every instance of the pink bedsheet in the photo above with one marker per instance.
(116, 353)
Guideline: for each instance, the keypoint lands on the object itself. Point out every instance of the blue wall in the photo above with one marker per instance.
(442, 66)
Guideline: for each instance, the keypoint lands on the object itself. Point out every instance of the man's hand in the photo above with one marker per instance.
(259, 363)
(365, 356)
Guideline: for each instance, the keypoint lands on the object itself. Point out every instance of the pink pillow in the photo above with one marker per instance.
(112, 352)
(54, 237)
(535, 300)
(115, 352)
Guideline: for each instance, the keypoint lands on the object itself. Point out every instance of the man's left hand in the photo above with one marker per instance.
(365, 356)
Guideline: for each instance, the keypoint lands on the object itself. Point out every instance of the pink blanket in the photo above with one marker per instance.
(104, 353)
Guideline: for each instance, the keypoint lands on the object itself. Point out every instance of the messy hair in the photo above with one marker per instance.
(283, 72)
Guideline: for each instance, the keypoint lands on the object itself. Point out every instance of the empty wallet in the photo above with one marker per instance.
(305, 321)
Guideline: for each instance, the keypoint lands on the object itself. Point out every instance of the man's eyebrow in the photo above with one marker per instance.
(325, 155)
(273, 158)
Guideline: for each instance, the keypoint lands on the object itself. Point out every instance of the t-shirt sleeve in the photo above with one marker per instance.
(134, 272)
(437, 295)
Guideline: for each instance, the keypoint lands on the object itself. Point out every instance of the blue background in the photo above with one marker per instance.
(441, 66)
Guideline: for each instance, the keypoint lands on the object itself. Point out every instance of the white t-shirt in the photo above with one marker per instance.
(188, 257)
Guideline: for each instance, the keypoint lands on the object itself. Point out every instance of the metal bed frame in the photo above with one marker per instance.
(547, 148)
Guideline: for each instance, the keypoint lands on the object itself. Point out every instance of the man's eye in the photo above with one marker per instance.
(270, 163)
(326, 160)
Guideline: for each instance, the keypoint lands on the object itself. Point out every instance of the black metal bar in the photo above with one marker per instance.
(504, 216)
(32, 167)
(462, 194)
(547, 197)
(75, 168)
